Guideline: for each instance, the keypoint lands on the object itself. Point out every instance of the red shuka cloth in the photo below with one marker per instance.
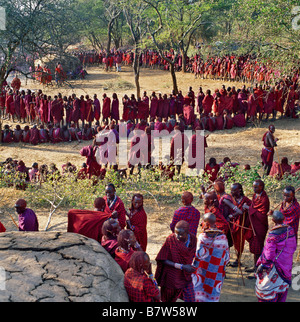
(258, 213)
(139, 221)
(87, 222)
(175, 251)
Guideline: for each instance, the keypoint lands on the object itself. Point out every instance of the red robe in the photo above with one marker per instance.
(87, 223)
(106, 108)
(258, 214)
(119, 207)
(2, 228)
(176, 251)
(138, 223)
(123, 258)
(56, 111)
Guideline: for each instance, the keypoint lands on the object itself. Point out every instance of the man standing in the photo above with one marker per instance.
(115, 204)
(173, 272)
(267, 154)
(258, 216)
(188, 213)
(239, 221)
(290, 208)
(27, 218)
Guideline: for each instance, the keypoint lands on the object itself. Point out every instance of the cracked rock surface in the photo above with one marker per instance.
(57, 267)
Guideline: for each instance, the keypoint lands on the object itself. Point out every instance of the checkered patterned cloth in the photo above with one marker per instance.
(212, 255)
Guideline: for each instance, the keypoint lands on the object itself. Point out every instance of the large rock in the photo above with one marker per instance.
(57, 267)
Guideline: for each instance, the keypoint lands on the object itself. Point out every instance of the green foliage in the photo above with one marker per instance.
(158, 189)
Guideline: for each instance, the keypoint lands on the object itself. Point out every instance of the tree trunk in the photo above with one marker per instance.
(174, 80)
(182, 52)
(136, 69)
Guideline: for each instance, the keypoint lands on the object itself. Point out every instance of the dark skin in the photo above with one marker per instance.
(187, 199)
(219, 189)
(258, 188)
(137, 202)
(288, 198)
(20, 207)
(110, 194)
(147, 267)
(181, 232)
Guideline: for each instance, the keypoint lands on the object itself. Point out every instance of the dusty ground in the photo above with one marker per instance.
(243, 146)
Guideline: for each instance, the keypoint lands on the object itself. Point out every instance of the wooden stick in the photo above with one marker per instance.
(279, 161)
(13, 220)
(239, 257)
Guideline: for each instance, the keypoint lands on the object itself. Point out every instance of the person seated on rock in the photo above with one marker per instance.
(27, 218)
(110, 231)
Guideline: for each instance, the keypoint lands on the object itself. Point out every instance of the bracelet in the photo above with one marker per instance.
(178, 266)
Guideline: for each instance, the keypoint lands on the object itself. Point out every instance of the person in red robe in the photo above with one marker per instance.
(142, 110)
(290, 208)
(18, 133)
(174, 264)
(88, 222)
(115, 108)
(252, 107)
(137, 220)
(240, 224)
(89, 113)
(75, 110)
(258, 217)
(212, 169)
(211, 205)
(97, 108)
(127, 245)
(110, 232)
(195, 156)
(188, 114)
(56, 111)
(179, 144)
(115, 204)
(34, 135)
(94, 169)
(239, 120)
(267, 154)
(153, 105)
(105, 108)
(138, 279)
(9, 100)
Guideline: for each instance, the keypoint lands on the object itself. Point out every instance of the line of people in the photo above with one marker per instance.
(191, 265)
(224, 109)
(246, 68)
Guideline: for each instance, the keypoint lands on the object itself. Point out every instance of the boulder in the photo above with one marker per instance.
(57, 267)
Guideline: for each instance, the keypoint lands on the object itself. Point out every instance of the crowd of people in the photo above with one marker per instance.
(245, 68)
(192, 261)
(61, 118)
(191, 264)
